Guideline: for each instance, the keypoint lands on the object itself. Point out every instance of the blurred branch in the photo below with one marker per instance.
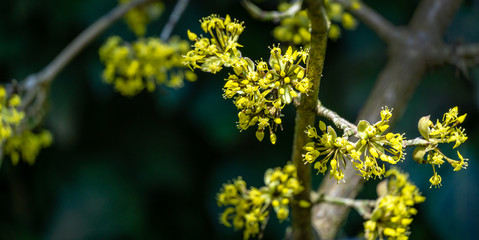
(174, 17)
(305, 116)
(462, 56)
(381, 26)
(35, 85)
(362, 206)
(274, 16)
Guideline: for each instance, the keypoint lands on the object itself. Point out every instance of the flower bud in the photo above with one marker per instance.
(418, 154)
(423, 127)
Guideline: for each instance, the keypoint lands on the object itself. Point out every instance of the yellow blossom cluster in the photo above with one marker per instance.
(137, 18)
(259, 90)
(394, 209)
(445, 131)
(132, 67)
(27, 145)
(9, 115)
(221, 49)
(294, 29)
(336, 14)
(249, 209)
(373, 145)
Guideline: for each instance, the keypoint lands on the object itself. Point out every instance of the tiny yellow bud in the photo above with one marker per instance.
(406, 221)
(461, 118)
(293, 93)
(277, 120)
(300, 74)
(272, 138)
(275, 203)
(281, 91)
(260, 135)
(304, 204)
(287, 80)
(322, 126)
(373, 152)
(389, 232)
(192, 36)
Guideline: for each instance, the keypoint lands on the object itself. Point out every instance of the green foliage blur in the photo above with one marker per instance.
(149, 167)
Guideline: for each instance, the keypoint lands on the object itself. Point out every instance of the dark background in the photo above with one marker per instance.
(149, 167)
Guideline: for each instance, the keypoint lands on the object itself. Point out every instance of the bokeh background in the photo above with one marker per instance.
(149, 167)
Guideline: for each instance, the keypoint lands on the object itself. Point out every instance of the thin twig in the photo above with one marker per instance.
(33, 82)
(381, 26)
(462, 56)
(47, 74)
(363, 206)
(415, 142)
(348, 128)
(274, 16)
(174, 17)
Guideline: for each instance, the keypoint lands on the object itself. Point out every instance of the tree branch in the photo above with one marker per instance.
(174, 17)
(343, 124)
(35, 85)
(47, 74)
(462, 56)
(305, 116)
(381, 26)
(362, 206)
(274, 16)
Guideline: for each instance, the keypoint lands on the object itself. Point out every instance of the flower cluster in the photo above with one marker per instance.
(334, 149)
(132, 67)
(393, 212)
(294, 29)
(261, 90)
(221, 49)
(27, 145)
(445, 131)
(336, 14)
(373, 145)
(10, 117)
(137, 18)
(249, 209)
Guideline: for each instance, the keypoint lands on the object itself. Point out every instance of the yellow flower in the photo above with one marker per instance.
(137, 18)
(393, 212)
(133, 67)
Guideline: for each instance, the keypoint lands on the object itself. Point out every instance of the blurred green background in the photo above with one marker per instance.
(149, 167)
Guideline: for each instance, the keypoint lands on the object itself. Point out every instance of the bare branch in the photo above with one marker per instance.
(35, 85)
(363, 206)
(432, 17)
(47, 74)
(381, 26)
(415, 142)
(305, 116)
(462, 56)
(274, 16)
(348, 128)
(174, 17)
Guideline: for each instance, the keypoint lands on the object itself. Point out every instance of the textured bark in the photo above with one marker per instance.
(305, 116)
(410, 55)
